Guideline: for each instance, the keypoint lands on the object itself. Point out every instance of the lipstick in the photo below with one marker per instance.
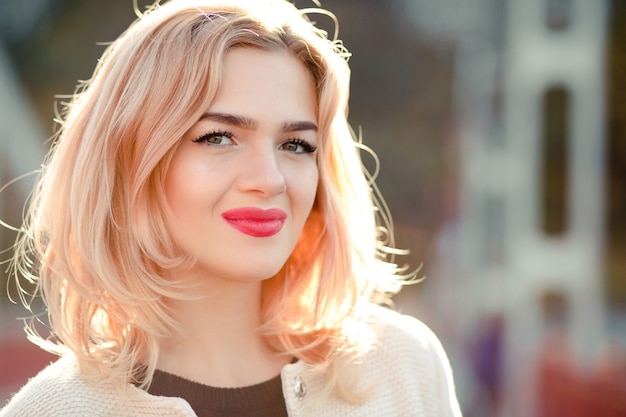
(256, 222)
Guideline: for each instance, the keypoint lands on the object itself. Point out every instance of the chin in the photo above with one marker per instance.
(262, 274)
(249, 271)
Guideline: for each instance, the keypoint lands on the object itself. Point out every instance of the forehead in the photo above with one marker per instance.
(265, 85)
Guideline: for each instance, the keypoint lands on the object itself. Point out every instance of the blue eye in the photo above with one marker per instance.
(298, 146)
(216, 138)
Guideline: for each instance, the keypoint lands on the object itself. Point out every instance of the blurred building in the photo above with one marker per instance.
(22, 149)
(528, 229)
(21, 139)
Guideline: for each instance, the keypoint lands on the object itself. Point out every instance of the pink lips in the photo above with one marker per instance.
(255, 221)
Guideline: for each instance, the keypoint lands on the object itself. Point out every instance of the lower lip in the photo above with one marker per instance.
(256, 222)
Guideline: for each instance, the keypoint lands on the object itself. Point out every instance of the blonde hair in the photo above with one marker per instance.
(97, 228)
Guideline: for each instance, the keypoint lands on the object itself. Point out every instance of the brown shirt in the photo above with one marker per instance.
(260, 400)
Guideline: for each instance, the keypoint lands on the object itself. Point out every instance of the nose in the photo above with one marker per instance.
(262, 173)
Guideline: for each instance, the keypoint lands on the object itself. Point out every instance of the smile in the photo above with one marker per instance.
(255, 221)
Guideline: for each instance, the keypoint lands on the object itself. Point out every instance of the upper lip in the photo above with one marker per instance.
(254, 213)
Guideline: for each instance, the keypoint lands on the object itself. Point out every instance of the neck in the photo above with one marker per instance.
(220, 344)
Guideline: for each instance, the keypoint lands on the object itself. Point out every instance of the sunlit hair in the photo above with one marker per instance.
(106, 261)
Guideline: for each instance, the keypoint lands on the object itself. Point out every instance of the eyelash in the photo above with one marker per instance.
(214, 134)
(307, 146)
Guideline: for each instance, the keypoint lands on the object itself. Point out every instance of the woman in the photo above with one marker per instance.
(207, 241)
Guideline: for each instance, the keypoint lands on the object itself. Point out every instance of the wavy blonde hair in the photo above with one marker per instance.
(96, 227)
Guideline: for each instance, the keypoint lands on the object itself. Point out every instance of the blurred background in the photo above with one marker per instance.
(500, 127)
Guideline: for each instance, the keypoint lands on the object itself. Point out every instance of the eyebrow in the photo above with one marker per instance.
(247, 123)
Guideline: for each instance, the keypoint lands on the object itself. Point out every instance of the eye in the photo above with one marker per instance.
(220, 138)
(298, 146)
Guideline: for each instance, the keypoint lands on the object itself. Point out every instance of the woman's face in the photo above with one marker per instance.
(244, 178)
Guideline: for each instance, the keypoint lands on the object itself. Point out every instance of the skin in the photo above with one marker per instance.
(254, 147)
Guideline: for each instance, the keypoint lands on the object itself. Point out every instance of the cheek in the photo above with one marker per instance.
(185, 190)
(307, 188)
(177, 191)
(189, 182)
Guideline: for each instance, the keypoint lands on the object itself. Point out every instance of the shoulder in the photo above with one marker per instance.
(60, 389)
(411, 361)
(402, 332)
(48, 392)
(403, 371)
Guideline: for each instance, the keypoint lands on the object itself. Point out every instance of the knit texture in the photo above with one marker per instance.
(408, 374)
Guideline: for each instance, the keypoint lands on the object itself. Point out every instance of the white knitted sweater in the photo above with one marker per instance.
(408, 370)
